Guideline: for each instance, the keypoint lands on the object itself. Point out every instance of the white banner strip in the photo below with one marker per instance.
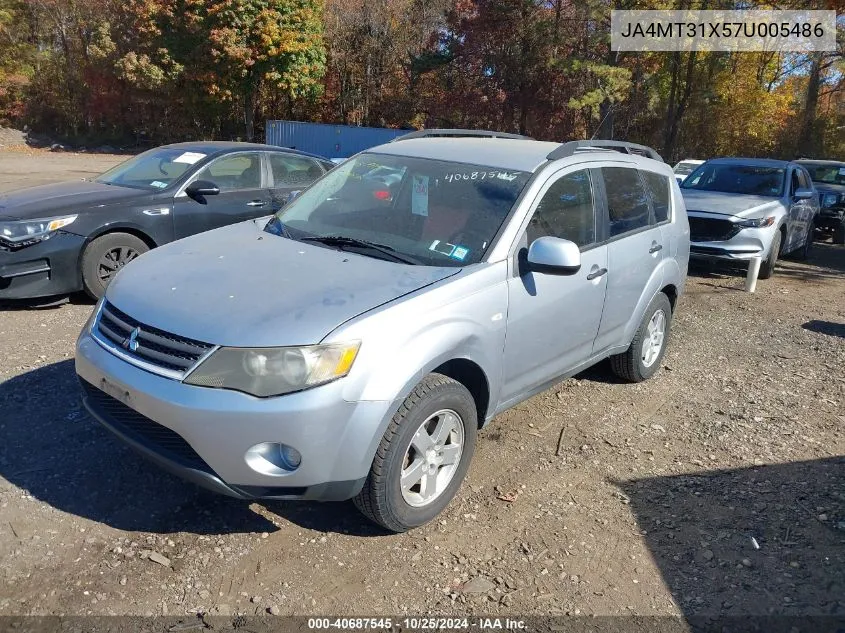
(798, 31)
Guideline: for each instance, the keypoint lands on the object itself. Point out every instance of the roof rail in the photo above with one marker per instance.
(572, 147)
(457, 133)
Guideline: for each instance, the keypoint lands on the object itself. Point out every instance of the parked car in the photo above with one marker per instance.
(829, 180)
(347, 348)
(740, 208)
(61, 238)
(685, 168)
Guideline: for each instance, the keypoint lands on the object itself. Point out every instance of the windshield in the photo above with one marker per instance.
(437, 213)
(742, 179)
(153, 170)
(830, 174)
(683, 169)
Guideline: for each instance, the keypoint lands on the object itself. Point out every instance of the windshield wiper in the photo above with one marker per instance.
(342, 240)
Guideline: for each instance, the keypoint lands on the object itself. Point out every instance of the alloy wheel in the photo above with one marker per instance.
(653, 341)
(113, 260)
(432, 458)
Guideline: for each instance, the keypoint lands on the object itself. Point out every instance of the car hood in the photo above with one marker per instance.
(732, 204)
(61, 198)
(823, 187)
(242, 287)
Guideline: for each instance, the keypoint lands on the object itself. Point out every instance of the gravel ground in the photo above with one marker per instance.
(716, 487)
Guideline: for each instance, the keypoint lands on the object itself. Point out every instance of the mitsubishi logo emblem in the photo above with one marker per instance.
(131, 341)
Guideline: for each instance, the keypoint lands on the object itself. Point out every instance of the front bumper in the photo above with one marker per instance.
(46, 269)
(742, 246)
(203, 434)
(829, 219)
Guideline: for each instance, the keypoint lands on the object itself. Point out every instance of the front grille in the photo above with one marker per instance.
(711, 229)
(150, 434)
(147, 343)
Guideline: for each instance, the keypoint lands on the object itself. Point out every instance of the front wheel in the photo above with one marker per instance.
(803, 253)
(839, 233)
(105, 256)
(642, 358)
(423, 457)
(767, 267)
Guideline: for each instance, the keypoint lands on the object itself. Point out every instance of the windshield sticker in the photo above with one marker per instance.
(189, 157)
(480, 175)
(158, 183)
(419, 196)
(842, 171)
(442, 247)
(459, 253)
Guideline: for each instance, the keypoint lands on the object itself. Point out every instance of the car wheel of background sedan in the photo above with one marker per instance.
(767, 268)
(839, 233)
(105, 256)
(423, 457)
(642, 359)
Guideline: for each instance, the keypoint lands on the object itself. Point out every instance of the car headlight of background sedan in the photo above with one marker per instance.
(275, 371)
(18, 231)
(757, 223)
(829, 199)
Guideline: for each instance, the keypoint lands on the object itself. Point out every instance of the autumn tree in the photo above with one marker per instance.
(17, 58)
(253, 43)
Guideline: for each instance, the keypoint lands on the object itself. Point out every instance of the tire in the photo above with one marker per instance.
(804, 252)
(111, 249)
(382, 499)
(631, 365)
(767, 267)
(839, 233)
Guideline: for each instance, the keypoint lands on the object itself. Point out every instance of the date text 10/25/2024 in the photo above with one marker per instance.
(417, 623)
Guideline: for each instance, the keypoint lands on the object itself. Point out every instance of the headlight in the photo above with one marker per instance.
(758, 223)
(274, 371)
(24, 230)
(829, 199)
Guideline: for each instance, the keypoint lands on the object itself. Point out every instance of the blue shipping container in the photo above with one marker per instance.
(331, 141)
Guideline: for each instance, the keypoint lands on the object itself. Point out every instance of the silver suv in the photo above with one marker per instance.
(352, 345)
(741, 208)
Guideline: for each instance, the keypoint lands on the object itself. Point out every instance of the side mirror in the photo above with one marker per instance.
(554, 256)
(201, 188)
(803, 194)
(293, 195)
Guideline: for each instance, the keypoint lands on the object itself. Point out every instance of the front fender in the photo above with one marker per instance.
(463, 317)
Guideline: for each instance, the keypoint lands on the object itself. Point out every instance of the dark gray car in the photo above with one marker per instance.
(62, 238)
(829, 180)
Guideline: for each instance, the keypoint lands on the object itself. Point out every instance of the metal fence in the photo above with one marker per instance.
(331, 141)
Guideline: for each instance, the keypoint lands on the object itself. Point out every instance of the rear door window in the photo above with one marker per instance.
(659, 188)
(627, 201)
(293, 171)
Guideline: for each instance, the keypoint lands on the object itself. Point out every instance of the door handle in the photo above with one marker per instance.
(655, 247)
(597, 273)
(256, 203)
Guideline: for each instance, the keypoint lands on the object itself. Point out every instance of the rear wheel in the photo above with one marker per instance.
(105, 256)
(767, 267)
(642, 359)
(423, 456)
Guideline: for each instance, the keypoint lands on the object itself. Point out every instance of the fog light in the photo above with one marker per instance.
(273, 458)
(290, 456)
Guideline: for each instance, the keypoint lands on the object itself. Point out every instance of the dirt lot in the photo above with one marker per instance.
(716, 487)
